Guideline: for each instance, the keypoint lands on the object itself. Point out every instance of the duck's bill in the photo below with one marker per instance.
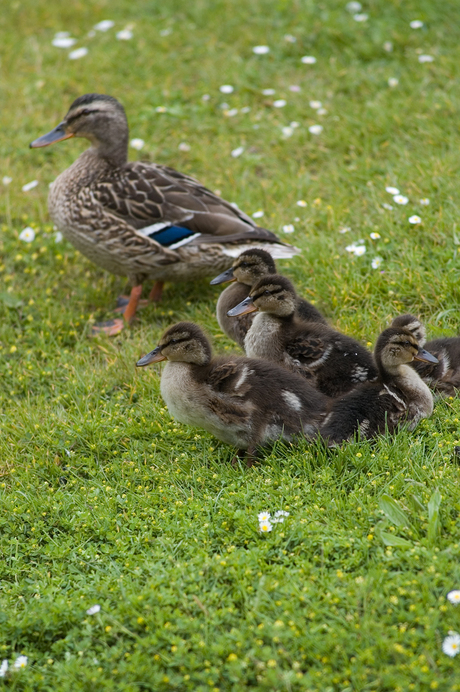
(154, 356)
(425, 356)
(242, 308)
(56, 135)
(224, 278)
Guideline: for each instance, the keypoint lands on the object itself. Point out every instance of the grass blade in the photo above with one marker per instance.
(393, 511)
(433, 516)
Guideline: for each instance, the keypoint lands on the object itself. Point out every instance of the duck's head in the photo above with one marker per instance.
(97, 117)
(248, 268)
(273, 294)
(413, 324)
(397, 346)
(184, 342)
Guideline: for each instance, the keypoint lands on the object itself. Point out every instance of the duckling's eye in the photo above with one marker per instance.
(173, 341)
(244, 264)
(267, 293)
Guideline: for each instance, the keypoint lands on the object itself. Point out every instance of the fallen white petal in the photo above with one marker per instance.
(416, 24)
(261, 50)
(29, 186)
(425, 58)
(4, 668)
(258, 214)
(237, 152)
(226, 89)
(104, 25)
(315, 129)
(137, 143)
(27, 234)
(308, 60)
(63, 42)
(124, 35)
(280, 103)
(78, 53)
(93, 610)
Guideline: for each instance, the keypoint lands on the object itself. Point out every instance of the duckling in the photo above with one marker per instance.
(398, 397)
(242, 401)
(443, 377)
(333, 362)
(141, 220)
(246, 271)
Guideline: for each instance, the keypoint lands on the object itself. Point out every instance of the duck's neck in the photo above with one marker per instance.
(114, 149)
(410, 383)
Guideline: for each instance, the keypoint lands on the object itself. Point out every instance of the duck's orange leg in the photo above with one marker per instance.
(113, 327)
(156, 292)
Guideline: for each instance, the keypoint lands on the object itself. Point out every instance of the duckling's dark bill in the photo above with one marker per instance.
(242, 308)
(154, 356)
(56, 135)
(425, 357)
(225, 277)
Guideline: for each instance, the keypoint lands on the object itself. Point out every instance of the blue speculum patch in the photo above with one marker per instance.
(171, 235)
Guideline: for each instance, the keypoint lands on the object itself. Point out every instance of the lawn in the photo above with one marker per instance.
(105, 500)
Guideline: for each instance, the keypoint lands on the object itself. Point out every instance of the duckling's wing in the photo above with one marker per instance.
(171, 207)
(230, 378)
(309, 350)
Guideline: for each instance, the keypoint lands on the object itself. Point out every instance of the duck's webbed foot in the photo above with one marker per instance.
(110, 328)
(113, 327)
(249, 456)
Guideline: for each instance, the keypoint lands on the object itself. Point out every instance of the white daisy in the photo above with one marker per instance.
(376, 262)
(454, 596)
(205, 97)
(29, 186)
(231, 113)
(166, 32)
(161, 109)
(400, 199)
(281, 513)
(315, 105)
(424, 201)
(393, 82)
(3, 668)
(321, 111)
(58, 237)
(104, 25)
(425, 58)
(356, 248)
(226, 89)
(20, 662)
(354, 6)
(374, 235)
(287, 131)
(6, 180)
(280, 103)
(288, 228)
(93, 610)
(344, 229)
(261, 50)
(63, 41)
(289, 38)
(315, 129)
(183, 146)
(137, 143)
(392, 190)
(78, 53)
(295, 88)
(258, 214)
(416, 24)
(301, 203)
(388, 46)
(415, 219)
(27, 234)
(124, 35)
(265, 526)
(308, 60)
(245, 109)
(451, 644)
(264, 516)
(361, 17)
(237, 152)
(294, 124)
(387, 206)
(268, 92)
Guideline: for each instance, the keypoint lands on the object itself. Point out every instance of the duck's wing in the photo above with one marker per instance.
(310, 351)
(172, 208)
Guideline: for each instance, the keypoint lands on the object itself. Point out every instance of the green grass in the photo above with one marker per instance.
(107, 500)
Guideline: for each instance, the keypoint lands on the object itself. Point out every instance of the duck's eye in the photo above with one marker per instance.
(85, 111)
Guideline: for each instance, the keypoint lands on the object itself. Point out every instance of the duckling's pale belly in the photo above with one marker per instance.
(190, 403)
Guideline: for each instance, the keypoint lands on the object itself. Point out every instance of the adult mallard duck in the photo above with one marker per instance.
(399, 396)
(242, 401)
(333, 362)
(444, 376)
(141, 220)
(245, 272)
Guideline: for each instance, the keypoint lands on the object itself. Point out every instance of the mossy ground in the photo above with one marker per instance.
(104, 498)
